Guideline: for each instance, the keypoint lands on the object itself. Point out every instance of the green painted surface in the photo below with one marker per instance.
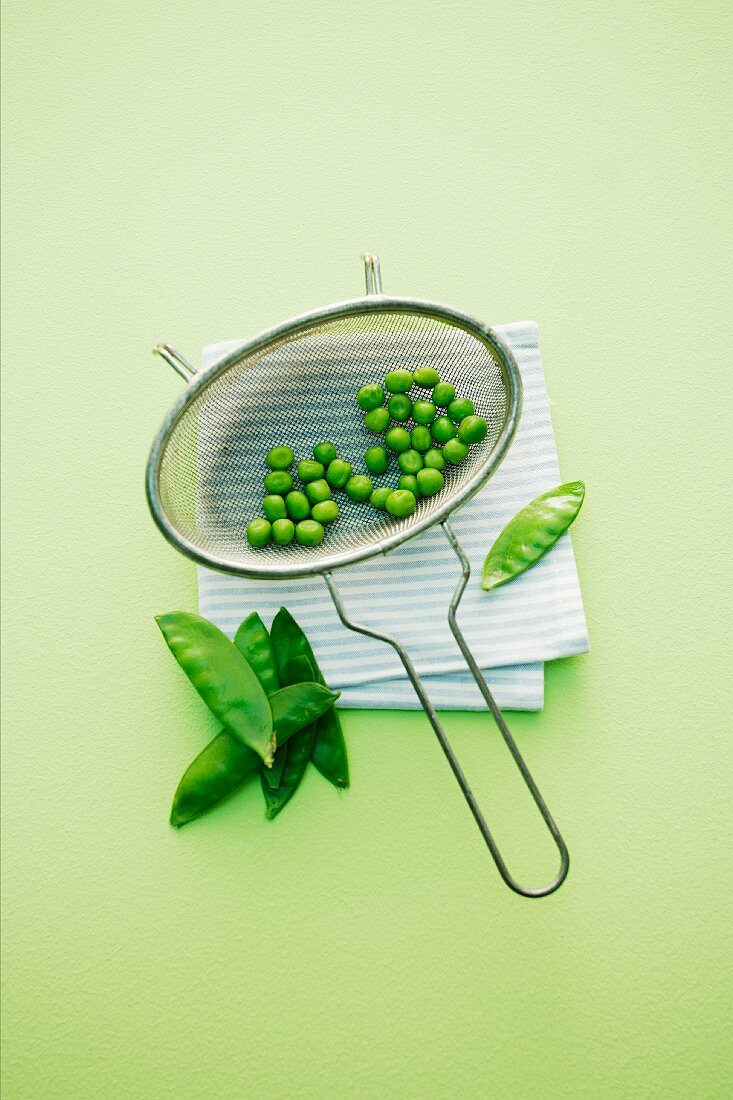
(193, 172)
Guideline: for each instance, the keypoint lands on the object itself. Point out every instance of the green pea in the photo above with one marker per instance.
(309, 533)
(423, 412)
(444, 393)
(409, 482)
(473, 429)
(397, 439)
(410, 462)
(455, 451)
(274, 507)
(278, 482)
(283, 531)
(442, 429)
(378, 499)
(421, 438)
(427, 377)
(326, 511)
(369, 397)
(401, 503)
(376, 460)
(398, 381)
(258, 533)
(338, 473)
(308, 470)
(434, 460)
(359, 487)
(318, 491)
(298, 505)
(430, 481)
(399, 407)
(324, 452)
(376, 421)
(279, 458)
(459, 409)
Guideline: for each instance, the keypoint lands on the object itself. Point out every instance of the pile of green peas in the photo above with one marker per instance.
(423, 434)
(423, 442)
(299, 514)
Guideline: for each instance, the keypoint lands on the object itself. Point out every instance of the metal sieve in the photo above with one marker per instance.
(295, 384)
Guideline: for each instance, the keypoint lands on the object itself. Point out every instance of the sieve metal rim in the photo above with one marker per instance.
(372, 303)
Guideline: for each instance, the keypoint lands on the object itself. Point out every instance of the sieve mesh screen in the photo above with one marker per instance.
(300, 389)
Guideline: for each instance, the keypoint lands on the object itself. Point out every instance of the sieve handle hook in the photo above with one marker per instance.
(174, 359)
(372, 273)
(511, 882)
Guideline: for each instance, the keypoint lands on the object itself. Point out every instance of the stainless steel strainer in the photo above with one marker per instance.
(295, 384)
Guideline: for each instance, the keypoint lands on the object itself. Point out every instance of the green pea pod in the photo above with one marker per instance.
(298, 670)
(298, 752)
(294, 706)
(255, 645)
(253, 642)
(218, 771)
(273, 775)
(295, 754)
(329, 748)
(225, 762)
(531, 533)
(222, 677)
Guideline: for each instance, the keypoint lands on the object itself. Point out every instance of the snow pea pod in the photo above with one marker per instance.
(226, 762)
(329, 748)
(218, 771)
(273, 775)
(222, 677)
(294, 754)
(297, 704)
(253, 642)
(296, 671)
(531, 533)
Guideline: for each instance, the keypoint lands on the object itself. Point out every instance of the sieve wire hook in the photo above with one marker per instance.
(174, 359)
(359, 628)
(372, 273)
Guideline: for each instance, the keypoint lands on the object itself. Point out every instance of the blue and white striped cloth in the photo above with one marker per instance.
(536, 618)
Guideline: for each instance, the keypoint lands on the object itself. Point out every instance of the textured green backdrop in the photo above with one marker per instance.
(194, 171)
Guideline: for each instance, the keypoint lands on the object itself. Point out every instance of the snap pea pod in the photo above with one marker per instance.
(531, 533)
(295, 752)
(296, 705)
(218, 771)
(254, 643)
(272, 776)
(226, 762)
(329, 748)
(222, 677)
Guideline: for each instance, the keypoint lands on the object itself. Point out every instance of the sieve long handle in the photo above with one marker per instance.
(427, 706)
(504, 731)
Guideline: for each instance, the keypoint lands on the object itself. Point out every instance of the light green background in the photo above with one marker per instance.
(193, 171)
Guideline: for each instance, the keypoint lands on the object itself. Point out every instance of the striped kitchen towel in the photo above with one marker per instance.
(512, 630)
